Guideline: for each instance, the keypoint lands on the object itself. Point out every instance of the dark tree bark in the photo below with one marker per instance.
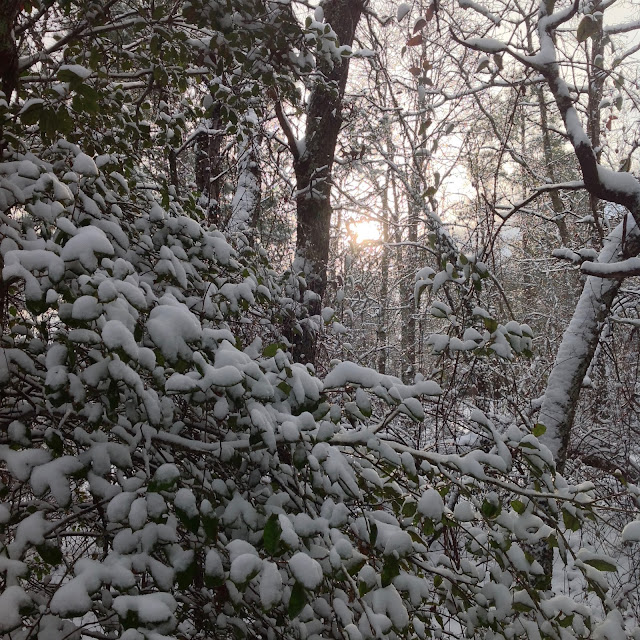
(9, 10)
(313, 162)
(381, 334)
(209, 165)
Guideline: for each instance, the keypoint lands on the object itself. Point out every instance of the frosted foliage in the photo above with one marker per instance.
(167, 471)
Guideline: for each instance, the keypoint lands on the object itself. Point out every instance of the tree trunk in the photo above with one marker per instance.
(408, 329)
(245, 205)
(381, 335)
(580, 341)
(209, 165)
(313, 162)
(9, 10)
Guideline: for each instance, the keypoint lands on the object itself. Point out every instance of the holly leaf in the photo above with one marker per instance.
(297, 601)
(390, 570)
(601, 565)
(271, 535)
(50, 553)
(518, 506)
(539, 430)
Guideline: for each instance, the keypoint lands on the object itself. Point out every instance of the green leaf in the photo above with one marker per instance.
(284, 387)
(490, 510)
(271, 535)
(185, 578)
(54, 442)
(210, 526)
(539, 429)
(601, 565)
(355, 564)
(271, 349)
(490, 324)
(297, 601)
(566, 621)
(50, 553)
(192, 523)
(363, 588)
(390, 570)
(518, 506)
(409, 509)
(373, 535)
(570, 521)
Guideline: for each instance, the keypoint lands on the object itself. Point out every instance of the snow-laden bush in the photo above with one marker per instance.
(168, 471)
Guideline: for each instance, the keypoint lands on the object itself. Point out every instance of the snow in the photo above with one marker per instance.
(306, 570)
(30, 531)
(403, 10)
(574, 128)
(631, 532)
(53, 476)
(119, 507)
(172, 326)
(388, 602)
(579, 341)
(619, 182)
(488, 45)
(86, 308)
(398, 542)
(431, 505)
(469, 4)
(244, 567)
(463, 511)
(213, 564)
(270, 585)
(351, 373)
(237, 548)
(84, 246)
(77, 70)
(631, 266)
(84, 165)
(186, 502)
(150, 608)
(12, 600)
(332, 460)
(116, 336)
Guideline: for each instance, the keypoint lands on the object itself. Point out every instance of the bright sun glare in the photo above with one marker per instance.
(366, 230)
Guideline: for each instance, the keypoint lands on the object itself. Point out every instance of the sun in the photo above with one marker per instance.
(366, 230)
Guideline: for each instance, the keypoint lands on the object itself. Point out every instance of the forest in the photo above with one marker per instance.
(319, 319)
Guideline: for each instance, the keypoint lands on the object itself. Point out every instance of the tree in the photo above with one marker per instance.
(167, 469)
(313, 158)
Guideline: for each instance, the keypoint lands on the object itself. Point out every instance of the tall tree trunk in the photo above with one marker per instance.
(381, 334)
(313, 162)
(408, 329)
(209, 165)
(556, 200)
(245, 205)
(9, 10)
(596, 76)
(580, 341)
